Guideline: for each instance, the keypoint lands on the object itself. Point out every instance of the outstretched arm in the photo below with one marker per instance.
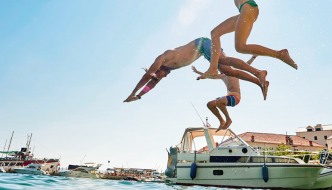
(145, 78)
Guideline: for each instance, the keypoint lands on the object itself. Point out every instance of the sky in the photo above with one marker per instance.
(67, 66)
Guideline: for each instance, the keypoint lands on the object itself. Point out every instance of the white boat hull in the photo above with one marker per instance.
(325, 179)
(248, 175)
(25, 171)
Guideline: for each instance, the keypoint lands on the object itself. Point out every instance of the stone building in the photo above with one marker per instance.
(321, 134)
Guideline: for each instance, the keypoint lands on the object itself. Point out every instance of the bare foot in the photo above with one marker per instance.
(222, 123)
(261, 75)
(209, 74)
(284, 56)
(265, 89)
(227, 124)
(220, 127)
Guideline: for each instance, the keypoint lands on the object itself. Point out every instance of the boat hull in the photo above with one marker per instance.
(324, 180)
(249, 175)
(78, 174)
(25, 171)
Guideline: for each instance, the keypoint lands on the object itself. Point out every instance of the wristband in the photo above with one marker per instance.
(138, 96)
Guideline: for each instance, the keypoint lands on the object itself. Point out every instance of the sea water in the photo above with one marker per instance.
(9, 181)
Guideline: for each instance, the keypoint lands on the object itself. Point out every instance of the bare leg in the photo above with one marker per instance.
(239, 64)
(242, 31)
(221, 104)
(213, 108)
(223, 28)
(245, 76)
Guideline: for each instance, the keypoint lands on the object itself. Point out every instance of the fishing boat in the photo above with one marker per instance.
(234, 163)
(31, 169)
(23, 157)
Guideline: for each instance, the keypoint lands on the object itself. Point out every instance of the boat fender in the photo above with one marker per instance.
(265, 172)
(193, 170)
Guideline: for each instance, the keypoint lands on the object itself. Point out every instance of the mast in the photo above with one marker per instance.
(10, 142)
(4, 148)
(29, 142)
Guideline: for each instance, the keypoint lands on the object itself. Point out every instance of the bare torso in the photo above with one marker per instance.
(181, 56)
(232, 84)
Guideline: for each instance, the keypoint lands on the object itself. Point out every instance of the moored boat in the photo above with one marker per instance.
(234, 163)
(2, 170)
(90, 170)
(22, 158)
(31, 169)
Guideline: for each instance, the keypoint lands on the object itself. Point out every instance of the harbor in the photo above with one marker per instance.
(204, 157)
(24, 162)
(170, 95)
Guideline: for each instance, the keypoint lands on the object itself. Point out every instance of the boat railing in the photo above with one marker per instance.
(306, 156)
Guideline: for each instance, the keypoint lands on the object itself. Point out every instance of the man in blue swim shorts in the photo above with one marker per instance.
(232, 98)
(185, 55)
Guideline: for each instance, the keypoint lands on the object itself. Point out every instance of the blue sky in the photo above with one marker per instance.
(66, 67)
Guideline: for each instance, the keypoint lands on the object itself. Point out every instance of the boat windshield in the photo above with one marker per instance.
(230, 139)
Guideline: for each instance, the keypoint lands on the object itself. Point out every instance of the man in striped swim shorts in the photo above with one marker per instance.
(232, 98)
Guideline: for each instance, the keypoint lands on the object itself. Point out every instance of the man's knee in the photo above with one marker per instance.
(227, 70)
(211, 104)
(241, 48)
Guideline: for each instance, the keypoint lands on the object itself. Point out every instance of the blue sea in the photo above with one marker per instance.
(23, 181)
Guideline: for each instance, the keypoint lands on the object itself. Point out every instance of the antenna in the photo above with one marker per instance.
(198, 115)
(83, 159)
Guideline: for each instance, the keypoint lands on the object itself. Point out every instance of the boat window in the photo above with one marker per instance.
(281, 160)
(199, 144)
(261, 160)
(253, 159)
(218, 172)
(226, 159)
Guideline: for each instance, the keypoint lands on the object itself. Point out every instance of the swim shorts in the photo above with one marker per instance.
(250, 2)
(232, 100)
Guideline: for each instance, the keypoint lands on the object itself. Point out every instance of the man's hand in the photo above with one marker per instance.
(131, 97)
(198, 72)
(195, 70)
